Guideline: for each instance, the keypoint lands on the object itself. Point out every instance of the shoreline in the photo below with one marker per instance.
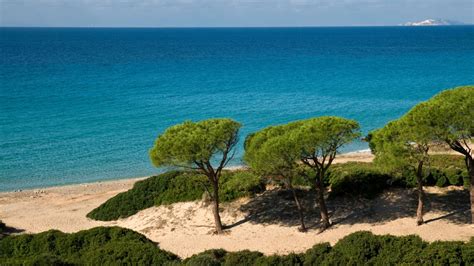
(359, 156)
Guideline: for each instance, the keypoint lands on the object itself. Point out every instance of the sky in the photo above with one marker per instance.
(228, 13)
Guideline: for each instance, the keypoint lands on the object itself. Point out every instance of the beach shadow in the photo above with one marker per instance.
(401, 203)
(278, 207)
(8, 230)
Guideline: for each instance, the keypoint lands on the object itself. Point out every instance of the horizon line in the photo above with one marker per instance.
(217, 27)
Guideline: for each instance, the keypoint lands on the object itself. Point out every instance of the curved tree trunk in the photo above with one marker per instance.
(470, 169)
(300, 209)
(325, 223)
(215, 207)
(421, 194)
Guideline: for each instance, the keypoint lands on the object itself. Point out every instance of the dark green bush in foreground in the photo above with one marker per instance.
(114, 246)
(97, 246)
(175, 186)
(118, 246)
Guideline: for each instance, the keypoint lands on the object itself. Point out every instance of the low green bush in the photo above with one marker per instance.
(317, 254)
(442, 170)
(119, 246)
(240, 184)
(357, 179)
(212, 257)
(291, 259)
(182, 187)
(141, 196)
(172, 187)
(443, 253)
(244, 257)
(97, 246)
(468, 251)
(355, 249)
(445, 170)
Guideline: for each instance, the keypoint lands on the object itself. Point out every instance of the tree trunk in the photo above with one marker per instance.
(470, 169)
(215, 207)
(300, 209)
(325, 223)
(421, 194)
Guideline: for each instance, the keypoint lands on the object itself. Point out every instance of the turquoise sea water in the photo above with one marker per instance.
(80, 105)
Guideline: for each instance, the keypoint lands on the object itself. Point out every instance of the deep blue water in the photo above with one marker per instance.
(80, 105)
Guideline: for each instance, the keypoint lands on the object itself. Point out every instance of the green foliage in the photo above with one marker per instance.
(141, 196)
(443, 253)
(317, 254)
(118, 246)
(172, 187)
(355, 249)
(240, 184)
(357, 179)
(186, 186)
(468, 252)
(280, 150)
(291, 259)
(190, 142)
(212, 257)
(272, 152)
(244, 257)
(450, 113)
(97, 246)
(399, 250)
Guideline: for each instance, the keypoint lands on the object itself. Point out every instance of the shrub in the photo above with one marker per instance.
(316, 254)
(355, 249)
(244, 257)
(172, 187)
(399, 250)
(140, 197)
(240, 184)
(183, 187)
(454, 176)
(443, 253)
(357, 179)
(443, 170)
(291, 259)
(97, 246)
(212, 257)
(468, 252)
(119, 246)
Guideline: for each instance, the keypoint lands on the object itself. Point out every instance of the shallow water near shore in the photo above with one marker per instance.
(81, 105)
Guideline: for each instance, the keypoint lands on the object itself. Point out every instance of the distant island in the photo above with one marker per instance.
(433, 22)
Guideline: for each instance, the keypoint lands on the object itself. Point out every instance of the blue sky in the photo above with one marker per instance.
(222, 13)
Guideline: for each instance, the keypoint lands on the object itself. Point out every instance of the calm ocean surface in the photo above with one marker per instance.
(80, 105)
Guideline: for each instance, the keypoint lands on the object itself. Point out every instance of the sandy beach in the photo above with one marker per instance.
(186, 228)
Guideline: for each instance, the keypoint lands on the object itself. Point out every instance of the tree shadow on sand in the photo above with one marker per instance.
(7, 230)
(278, 207)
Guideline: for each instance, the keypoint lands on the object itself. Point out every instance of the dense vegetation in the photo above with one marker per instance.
(97, 246)
(114, 245)
(175, 186)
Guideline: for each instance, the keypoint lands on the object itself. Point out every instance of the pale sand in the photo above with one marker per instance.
(185, 228)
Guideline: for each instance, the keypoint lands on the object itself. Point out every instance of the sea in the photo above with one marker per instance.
(86, 104)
